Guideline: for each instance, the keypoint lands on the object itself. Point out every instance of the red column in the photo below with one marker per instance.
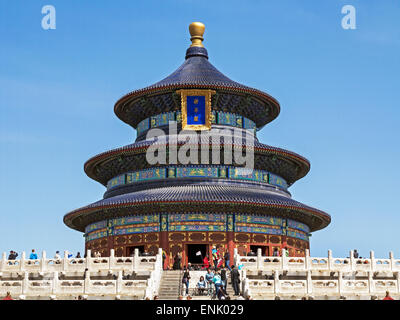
(164, 246)
(231, 244)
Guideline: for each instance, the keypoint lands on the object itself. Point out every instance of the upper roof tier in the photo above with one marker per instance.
(197, 73)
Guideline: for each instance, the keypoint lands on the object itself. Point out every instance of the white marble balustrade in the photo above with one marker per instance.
(322, 276)
(77, 276)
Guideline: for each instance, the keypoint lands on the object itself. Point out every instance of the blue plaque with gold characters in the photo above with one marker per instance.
(196, 109)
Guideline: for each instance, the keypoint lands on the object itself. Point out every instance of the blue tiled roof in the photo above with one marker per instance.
(197, 70)
(206, 193)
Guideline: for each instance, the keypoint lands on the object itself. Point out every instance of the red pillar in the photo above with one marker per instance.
(231, 244)
(164, 246)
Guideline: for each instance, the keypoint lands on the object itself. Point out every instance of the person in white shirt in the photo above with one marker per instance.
(57, 257)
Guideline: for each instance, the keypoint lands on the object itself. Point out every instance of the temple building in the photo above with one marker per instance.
(191, 207)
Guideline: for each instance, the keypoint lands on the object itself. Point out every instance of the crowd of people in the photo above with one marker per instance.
(34, 256)
(214, 282)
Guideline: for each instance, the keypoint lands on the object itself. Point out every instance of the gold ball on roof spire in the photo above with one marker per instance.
(196, 30)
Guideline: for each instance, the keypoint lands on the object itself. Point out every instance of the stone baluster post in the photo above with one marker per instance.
(55, 285)
(340, 282)
(397, 275)
(43, 264)
(284, 260)
(136, 260)
(392, 262)
(307, 260)
(88, 259)
(148, 292)
(86, 289)
(371, 286)
(259, 259)
(309, 282)
(119, 282)
(3, 262)
(330, 260)
(160, 262)
(25, 283)
(22, 262)
(352, 261)
(65, 261)
(373, 262)
(111, 260)
(235, 257)
(277, 287)
(243, 282)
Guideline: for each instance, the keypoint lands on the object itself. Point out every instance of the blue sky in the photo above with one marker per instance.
(339, 92)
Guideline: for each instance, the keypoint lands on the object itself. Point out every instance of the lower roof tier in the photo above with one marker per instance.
(209, 198)
(110, 164)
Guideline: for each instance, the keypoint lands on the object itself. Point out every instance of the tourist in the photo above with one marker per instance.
(201, 285)
(286, 252)
(189, 298)
(217, 281)
(235, 279)
(57, 257)
(180, 260)
(97, 255)
(275, 253)
(224, 279)
(220, 293)
(355, 254)
(215, 256)
(164, 256)
(251, 253)
(227, 258)
(33, 256)
(206, 263)
(177, 262)
(180, 298)
(78, 255)
(185, 279)
(8, 296)
(155, 298)
(387, 296)
(12, 256)
(209, 277)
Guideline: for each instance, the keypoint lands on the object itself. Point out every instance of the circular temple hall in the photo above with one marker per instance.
(189, 207)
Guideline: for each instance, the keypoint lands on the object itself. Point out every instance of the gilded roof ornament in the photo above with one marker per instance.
(196, 30)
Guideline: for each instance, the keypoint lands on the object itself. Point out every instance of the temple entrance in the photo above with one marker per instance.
(131, 250)
(264, 250)
(193, 251)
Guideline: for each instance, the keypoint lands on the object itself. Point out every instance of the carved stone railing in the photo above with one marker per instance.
(326, 276)
(78, 276)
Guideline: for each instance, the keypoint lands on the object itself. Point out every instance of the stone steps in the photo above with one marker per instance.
(169, 286)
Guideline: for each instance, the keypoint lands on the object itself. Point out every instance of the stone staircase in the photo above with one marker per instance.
(229, 291)
(169, 286)
(171, 282)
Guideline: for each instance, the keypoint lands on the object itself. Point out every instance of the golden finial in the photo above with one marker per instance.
(196, 30)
